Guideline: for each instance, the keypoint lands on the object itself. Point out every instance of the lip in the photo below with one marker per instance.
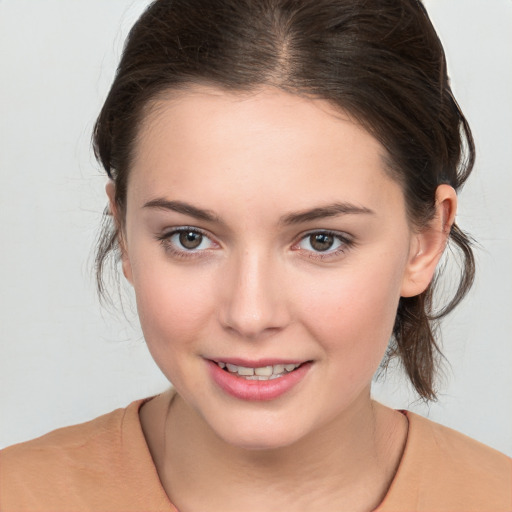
(256, 390)
(256, 363)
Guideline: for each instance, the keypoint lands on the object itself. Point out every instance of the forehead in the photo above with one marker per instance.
(265, 145)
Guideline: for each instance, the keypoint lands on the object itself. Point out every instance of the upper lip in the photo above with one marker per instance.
(255, 363)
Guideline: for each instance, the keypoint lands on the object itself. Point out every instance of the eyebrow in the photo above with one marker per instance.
(330, 210)
(185, 208)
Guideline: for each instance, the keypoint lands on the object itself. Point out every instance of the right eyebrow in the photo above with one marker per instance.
(184, 208)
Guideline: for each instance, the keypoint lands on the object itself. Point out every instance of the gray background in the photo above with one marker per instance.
(64, 360)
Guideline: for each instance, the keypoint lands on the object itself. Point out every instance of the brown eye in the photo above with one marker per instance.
(325, 244)
(190, 239)
(187, 242)
(321, 241)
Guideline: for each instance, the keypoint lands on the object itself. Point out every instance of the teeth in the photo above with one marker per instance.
(261, 373)
(264, 371)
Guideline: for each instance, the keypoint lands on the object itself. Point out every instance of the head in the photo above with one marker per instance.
(375, 66)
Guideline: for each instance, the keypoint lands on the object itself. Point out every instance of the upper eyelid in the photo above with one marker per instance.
(179, 229)
(168, 233)
(326, 231)
(339, 234)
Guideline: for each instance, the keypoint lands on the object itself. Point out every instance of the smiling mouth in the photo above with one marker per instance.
(261, 373)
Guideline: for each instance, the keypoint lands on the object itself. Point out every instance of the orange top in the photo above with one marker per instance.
(105, 465)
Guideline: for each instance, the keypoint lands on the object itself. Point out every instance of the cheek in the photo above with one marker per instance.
(173, 306)
(354, 312)
(174, 312)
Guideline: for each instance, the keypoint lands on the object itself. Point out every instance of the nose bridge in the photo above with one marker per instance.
(254, 302)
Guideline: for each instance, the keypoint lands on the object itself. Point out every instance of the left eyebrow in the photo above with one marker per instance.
(330, 210)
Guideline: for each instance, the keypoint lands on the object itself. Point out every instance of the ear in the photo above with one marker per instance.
(427, 246)
(110, 188)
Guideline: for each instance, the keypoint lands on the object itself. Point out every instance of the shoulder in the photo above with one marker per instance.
(455, 454)
(71, 437)
(444, 470)
(65, 444)
(81, 466)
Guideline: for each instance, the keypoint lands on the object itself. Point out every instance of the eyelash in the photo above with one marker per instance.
(165, 241)
(345, 243)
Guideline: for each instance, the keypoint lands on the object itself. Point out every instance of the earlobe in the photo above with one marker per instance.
(110, 189)
(427, 246)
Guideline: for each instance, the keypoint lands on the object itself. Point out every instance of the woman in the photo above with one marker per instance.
(283, 181)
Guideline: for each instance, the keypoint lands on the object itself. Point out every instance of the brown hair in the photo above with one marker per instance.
(379, 60)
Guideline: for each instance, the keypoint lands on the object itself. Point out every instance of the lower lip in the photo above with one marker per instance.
(256, 389)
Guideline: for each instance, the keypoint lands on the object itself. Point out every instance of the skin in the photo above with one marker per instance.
(257, 288)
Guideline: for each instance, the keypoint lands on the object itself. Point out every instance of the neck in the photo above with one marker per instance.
(349, 462)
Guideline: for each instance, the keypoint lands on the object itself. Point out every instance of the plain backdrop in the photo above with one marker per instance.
(64, 360)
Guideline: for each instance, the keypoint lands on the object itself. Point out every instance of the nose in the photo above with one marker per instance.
(253, 297)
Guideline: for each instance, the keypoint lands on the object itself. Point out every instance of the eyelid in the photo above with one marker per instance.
(179, 229)
(342, 235)
(346, 242)
(165, 240)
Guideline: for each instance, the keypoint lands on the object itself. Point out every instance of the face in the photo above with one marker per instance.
(268, 249)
